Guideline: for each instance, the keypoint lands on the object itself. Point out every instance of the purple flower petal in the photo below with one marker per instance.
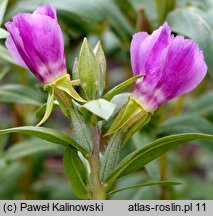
(183, 67)
(172, 66)
(46, 10)
(39, 42)
(14, 52)
(138, 38)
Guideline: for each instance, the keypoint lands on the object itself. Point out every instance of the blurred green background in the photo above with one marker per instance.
(33, 169)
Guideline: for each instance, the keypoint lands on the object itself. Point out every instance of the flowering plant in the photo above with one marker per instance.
(164, 67)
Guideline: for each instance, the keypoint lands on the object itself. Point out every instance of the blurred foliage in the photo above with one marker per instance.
(33, 168)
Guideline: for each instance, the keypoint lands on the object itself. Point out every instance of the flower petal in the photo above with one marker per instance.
(14, 33)
(183, 68)
(172, 66)
(14, 52)
(137, 39)
(149, 58)
(46, 10)
(43, 43)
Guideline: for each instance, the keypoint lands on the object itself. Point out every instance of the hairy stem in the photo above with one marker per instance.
(97, 187)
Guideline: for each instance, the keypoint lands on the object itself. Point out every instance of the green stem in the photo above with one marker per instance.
(98, 192)
(163, 176)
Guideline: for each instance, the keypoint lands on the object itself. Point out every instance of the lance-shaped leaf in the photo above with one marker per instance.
(27, 148)
(162, 183)
(3, 72)
(19, 94)
(101, 108)
(3, 6)
(3, 33)
(48, 134)
(88, 71)
(5, 55)
(76, 172)
(139, 158)
(81, 131)
(110, 94)
(111, 157)
(101, 60)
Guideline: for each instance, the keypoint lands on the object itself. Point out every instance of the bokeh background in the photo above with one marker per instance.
(33, 169)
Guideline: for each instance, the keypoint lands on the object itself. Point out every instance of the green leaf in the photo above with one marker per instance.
(3, 72)
(186, 123)
(162, 183)
(49, 106)
(100, 107)
(101, 60)
(110, 94)
(5, 55)
(195, 23)
(111, 157)
(19, 94)
(76, 172)
(3, 6)
(3, 33)
(28, 147)
(81, 131)
(139, 158)
(48, 134)
(201, 105)
(88, 71)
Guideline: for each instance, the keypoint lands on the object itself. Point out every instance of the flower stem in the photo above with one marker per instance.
(98, 192)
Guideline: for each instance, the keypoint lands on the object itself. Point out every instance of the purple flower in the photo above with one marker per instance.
(172, 66)
(36, 42)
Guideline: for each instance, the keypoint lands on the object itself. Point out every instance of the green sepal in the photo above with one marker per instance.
(42, 109)
(65, 84)
(101, 60)
(111, 93)
(88, 71)
(135, 127)
(76, 172)
(129, 115)
(49, 105)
